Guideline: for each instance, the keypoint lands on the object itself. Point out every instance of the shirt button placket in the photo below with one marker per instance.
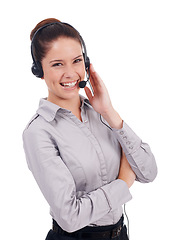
(121, 132)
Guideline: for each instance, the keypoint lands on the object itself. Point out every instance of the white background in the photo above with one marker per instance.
(131, 45)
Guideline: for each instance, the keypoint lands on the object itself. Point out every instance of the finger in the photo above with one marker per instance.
(88, 93)
(94, 74)
(95, 78)
(93, 82)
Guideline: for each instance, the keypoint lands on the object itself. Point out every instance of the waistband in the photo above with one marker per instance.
(109, 231)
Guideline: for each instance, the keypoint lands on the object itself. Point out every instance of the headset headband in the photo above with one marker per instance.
(37, 67)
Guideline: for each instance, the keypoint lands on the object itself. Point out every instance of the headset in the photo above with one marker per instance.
(37, 66)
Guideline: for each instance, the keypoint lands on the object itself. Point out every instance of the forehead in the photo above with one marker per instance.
(64, 47)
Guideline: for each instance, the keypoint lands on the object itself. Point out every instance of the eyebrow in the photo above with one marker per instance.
(60, 60)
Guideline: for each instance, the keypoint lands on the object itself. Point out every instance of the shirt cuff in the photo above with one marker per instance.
(129, 141)
(117, 193)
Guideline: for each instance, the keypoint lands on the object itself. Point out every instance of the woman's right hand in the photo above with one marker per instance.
(126, 173)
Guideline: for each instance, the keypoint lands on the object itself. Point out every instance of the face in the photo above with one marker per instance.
(63, 68)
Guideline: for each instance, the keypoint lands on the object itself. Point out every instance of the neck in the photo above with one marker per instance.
(72, 104)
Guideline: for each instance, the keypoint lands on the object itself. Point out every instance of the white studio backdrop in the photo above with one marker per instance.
(131, 45)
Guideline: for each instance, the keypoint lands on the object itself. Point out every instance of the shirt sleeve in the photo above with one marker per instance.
(58, 187)
(138, 153)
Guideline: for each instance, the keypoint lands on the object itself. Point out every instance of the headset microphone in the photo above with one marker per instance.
(82, 84)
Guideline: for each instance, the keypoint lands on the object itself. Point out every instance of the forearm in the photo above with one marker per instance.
(113, 118)
(138, 154)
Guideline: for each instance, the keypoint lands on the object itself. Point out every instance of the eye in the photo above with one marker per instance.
(78, 60)
(57, 65)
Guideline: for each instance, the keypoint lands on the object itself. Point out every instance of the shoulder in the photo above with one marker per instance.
(37, 137)
(33, 119)
(35, 128)
(34, 123)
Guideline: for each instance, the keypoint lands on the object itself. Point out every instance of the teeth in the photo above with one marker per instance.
(69, 84)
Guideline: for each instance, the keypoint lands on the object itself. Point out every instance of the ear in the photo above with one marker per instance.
(42, 77)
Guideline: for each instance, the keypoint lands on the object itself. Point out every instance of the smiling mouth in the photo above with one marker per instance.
(69, 84)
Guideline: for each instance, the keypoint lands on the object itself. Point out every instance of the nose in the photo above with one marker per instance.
(69, 72)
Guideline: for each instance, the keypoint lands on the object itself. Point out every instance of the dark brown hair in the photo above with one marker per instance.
(43, 39)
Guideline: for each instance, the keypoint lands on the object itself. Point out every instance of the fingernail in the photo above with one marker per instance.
(92, 68)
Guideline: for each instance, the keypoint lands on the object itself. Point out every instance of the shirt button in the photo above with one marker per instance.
(121, 133)
(128, 142)
(131, 147)
(125, 137)
(85, 121)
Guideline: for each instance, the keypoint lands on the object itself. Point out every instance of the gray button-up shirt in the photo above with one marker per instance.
(76, 164)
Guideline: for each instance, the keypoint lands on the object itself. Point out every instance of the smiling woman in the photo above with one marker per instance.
(83, 165)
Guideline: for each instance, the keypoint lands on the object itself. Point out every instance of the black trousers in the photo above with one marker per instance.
(52, 235)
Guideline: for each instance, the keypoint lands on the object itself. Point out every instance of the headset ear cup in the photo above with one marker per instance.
(37, 69)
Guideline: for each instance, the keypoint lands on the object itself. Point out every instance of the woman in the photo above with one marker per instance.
(83, 156)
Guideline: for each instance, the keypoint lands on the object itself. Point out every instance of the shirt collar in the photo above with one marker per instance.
(48, 109)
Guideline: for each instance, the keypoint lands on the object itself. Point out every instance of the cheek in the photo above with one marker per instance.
(51, 79)
(82, 72)
(52, 75)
